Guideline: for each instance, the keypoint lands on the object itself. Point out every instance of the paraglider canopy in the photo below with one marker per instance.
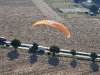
(53, 24)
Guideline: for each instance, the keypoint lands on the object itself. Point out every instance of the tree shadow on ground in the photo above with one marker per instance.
(54, 61)
(30, 51)
(40, 53)
(73, 63)
(33, 58)
(94, 66)
(2, 43)
(97, 3)
(13, 55)
(36, 52)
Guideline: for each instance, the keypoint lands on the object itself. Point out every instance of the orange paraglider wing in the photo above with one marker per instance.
(43, 22)
(63, 29)
(53, 24)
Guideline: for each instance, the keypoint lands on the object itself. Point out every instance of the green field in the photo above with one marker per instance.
(77, 15)
(61, 3)
(57, 4)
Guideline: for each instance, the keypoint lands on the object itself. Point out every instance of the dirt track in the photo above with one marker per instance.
(51, 14)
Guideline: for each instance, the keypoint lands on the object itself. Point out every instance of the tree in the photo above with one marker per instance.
(73, 52)
(35, 47)
(15, 43)
(93, 55)
(96, 0)
(76, 1)
(94, 8)
(54, 49)
(2, 39)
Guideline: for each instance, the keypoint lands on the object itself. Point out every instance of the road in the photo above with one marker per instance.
(62, 51)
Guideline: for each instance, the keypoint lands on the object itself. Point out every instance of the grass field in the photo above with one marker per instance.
(57, 4)
(76, 15)
(61, 3)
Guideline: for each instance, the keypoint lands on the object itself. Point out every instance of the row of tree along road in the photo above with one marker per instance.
(35, 47)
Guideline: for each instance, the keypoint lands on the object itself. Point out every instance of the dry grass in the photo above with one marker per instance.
(29, 64)
(16, 21)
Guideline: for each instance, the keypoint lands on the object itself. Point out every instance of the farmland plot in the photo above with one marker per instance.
(16, 22)
(42, 65)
